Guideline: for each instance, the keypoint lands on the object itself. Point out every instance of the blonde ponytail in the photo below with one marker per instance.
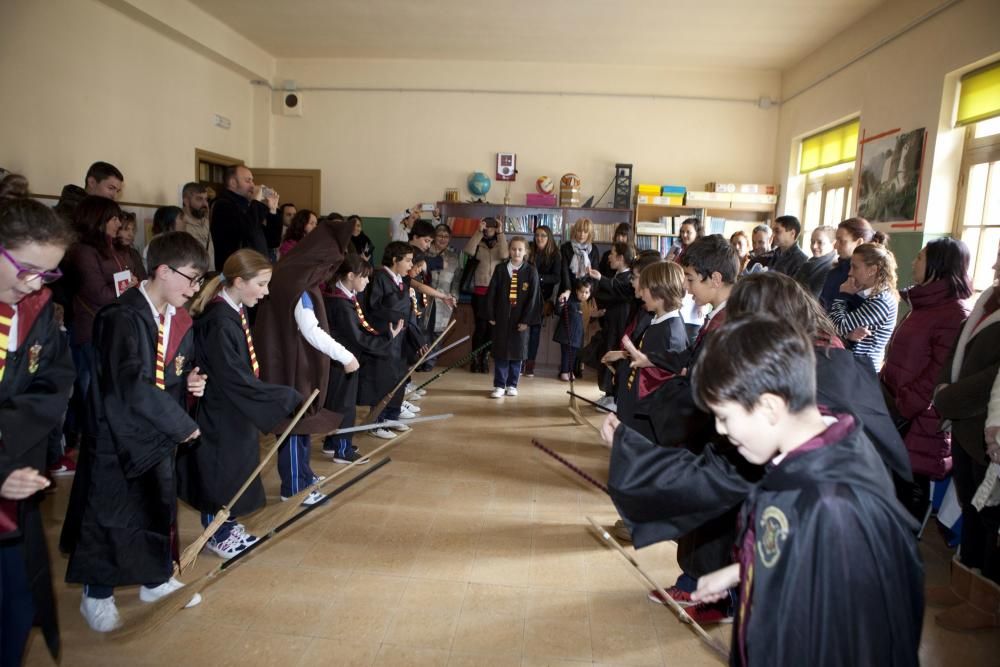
(246, 264)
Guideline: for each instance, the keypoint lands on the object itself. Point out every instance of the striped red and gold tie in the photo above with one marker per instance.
(361, 317)
(6, 320)
(161, 354)
(513, 287)
(246, 332)
(631, 376)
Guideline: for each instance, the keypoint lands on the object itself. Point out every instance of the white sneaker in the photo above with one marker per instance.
(512, 391)
(402, 428)
(415, 396)
(420, 393)
(314, 497)
(228, 547)
(497, 392)
(101, 615)
(147, 594)
(410, 388)
(383, 433)
(406, 414)
(411, 407)
(241, 530)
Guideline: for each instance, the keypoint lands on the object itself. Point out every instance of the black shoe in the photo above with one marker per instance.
(353, 456)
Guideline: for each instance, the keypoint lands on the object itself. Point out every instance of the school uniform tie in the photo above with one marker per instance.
(6, 321)
(361, 317)
(246, 332)
(513, 287)
(631, 375)
(161, 353)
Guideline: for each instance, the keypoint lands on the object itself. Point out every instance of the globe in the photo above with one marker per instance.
(479, 183)
(545, 185)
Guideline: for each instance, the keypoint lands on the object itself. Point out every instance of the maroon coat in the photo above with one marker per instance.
(91, 276)
(919, 348)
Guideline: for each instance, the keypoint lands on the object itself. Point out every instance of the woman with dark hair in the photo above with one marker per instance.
(865, 310)
(362, 244)
(849, 235)
(914, 358)
(623, 234)
(544, 254)
(691, 230)
(303, 222)
(124, 245)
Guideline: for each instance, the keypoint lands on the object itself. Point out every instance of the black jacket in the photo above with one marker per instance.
(509, 344)
(812, 274)
(236, 222)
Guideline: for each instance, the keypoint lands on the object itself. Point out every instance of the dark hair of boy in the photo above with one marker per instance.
(90, 219)
(782, 297)
(948, 259)
(712, 254)
(422, 228)
(175, 249)
(623, 250)
(192, 188)
(24, 221)
(419, 257)
(644, 258)
(165, 219)
(664, 280)
(790, 223)
(580, 283)
(396, 251)
(100, 171)
(353, 263)
(747, 358)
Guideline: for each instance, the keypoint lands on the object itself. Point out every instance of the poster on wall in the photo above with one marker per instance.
(890, 179)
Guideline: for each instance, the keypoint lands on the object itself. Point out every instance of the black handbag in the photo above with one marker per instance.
(468, 284)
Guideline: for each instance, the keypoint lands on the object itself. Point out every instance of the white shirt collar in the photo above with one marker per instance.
(511, 268)
(715, 311)
(396, 279)
(349, 292)
(156, 314)
(665, 316)
(228, 299)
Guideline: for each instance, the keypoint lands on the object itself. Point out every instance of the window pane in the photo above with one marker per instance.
(991, 216)
(987, 128)
(834, 206)
(849, 203)
(985, 258)
(812, 216)
(975, 195)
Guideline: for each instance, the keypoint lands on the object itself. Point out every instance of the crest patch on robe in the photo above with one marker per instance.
(772, 535)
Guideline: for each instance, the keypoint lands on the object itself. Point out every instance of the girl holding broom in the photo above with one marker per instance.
(236, 407)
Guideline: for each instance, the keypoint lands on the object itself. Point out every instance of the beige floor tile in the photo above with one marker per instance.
(496, 600)
(557, 638)
(364, 622)
(489, 634)
(626, 644)
(490, 660)
(265, 649)
(564, 604)
(423, 628)
(406, 656)
(339, 652)
(430, 596)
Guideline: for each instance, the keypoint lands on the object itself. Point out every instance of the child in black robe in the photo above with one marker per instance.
(120, 529)
(828, 567)
(614, 296)
(661, 287)
(513, 305)
(349, 324)
(385, 303)
(569, 328)
(237, 406)
(36, 375)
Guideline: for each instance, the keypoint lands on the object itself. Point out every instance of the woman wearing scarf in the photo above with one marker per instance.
(489, 246)
(579, 255)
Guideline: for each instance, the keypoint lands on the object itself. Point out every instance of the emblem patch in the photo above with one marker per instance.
(524, 287)
(771, 535)
(179, 364)
(34, 354)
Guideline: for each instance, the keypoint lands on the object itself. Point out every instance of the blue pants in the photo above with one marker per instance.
(567, 358)
(17, 608)
(506, 373)
(224, 530)
(341, 445)
(293, 465)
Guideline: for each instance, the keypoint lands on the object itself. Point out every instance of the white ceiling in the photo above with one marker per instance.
(744, 34)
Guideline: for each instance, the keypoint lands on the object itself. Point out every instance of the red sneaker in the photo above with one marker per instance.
(710, 613)
(65, 466)
(683, 598)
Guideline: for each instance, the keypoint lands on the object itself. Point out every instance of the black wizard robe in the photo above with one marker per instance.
(370, 348)
(637, 384)
(124, 498)
(34, 394)
(236, 408)
(509, 344)
(830, 569)
(285, 357)
(615, 295)
(384, 304)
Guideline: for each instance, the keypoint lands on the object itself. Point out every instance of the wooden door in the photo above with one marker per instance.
(297, 186)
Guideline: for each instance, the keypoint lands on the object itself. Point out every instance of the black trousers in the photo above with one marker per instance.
(915, 496)
(17, 608)
(979, 528)
(482, 330)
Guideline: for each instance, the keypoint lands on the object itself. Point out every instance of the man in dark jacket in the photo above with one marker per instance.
(787, 257)
(238, 221)
(102, 179)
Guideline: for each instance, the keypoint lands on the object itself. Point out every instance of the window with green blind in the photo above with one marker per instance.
(830, 147)
(979, 97)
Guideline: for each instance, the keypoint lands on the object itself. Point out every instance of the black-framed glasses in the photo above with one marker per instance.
(27, 274)
(195, 282)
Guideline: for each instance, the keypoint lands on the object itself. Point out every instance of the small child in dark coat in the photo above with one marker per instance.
(569, 328)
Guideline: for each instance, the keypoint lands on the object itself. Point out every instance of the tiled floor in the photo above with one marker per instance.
(470, 548)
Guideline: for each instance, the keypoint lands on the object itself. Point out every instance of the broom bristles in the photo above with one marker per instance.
(190, 555)
(156, 614)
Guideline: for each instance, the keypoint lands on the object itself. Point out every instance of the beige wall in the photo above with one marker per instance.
(83, 81)
(909, 83)
(380, 151)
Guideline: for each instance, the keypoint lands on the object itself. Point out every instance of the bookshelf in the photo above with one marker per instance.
(464, 219)
(656, 226)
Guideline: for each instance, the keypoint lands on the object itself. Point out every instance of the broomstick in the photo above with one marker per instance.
(377, 409)
(569, 465)
(587, 400)
(448, 347)
(154, 615)
(460, 362)
(190, 554)
(265, 521)
(574, 407)
(646, 580)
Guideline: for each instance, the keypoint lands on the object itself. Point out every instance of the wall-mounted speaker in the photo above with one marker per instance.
(291, 103)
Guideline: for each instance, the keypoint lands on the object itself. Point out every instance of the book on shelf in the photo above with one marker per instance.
(463, 226)
(529, 222)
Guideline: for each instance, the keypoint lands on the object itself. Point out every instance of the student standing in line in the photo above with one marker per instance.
(513, 304)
